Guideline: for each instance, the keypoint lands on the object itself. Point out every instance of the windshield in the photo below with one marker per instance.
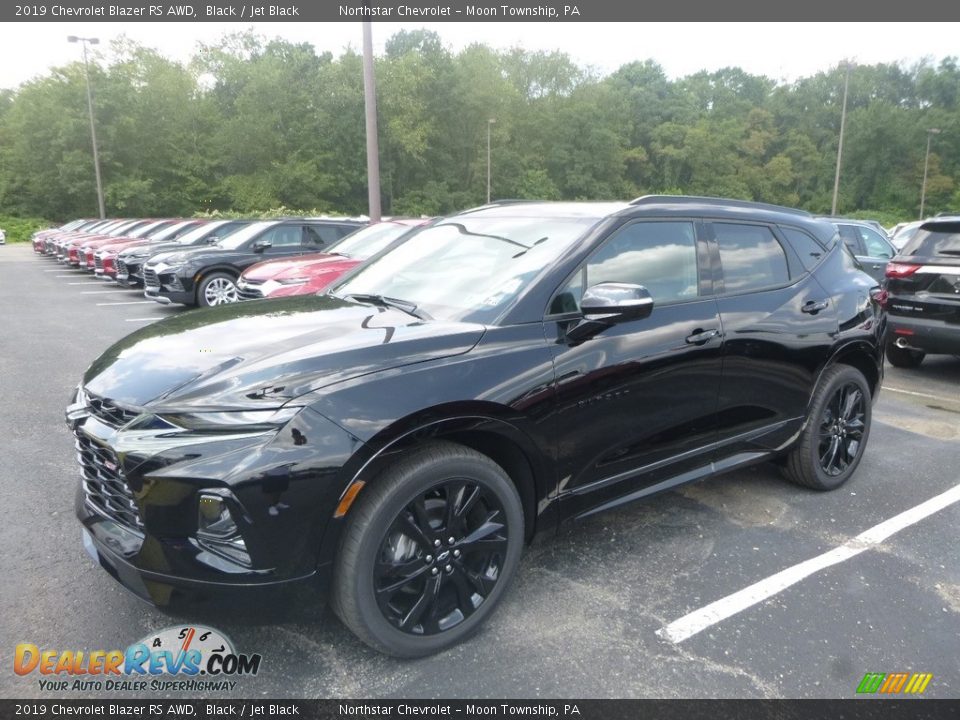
(199, 232)
(935, 239)
(169, 233)
(467, 268)
(368, 241)
(238, 238)
(149, 228)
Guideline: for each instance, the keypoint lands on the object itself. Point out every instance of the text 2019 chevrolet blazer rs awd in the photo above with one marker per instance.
(398, 439)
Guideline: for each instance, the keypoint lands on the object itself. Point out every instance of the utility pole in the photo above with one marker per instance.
(843, 122)
(490, 123)
(93, 127)
(926, 163)
(370, 105)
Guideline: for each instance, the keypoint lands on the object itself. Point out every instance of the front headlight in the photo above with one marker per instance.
(162, 267)
(232, 421)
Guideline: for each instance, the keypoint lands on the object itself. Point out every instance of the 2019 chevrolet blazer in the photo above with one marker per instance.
(398, 439)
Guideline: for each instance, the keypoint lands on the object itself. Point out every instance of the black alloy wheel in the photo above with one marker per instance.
(428, 550)
(832, 442)
(841, 429)
(441, 558)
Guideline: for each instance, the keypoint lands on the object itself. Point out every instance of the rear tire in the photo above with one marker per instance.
(399, 583)
(833, 440)
(904, 357)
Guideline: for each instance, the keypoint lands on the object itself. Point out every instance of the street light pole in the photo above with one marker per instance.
(93, 127)
(490, 123)
(370, 106)
(926, 163)
(843, 122)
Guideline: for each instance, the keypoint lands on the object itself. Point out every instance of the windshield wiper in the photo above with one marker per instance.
(388, 302)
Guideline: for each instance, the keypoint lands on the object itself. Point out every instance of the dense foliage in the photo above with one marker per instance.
(251, 124)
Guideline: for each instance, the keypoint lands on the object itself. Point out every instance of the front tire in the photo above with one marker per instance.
(904, 357)
(217, 289)
(429, 548)
(833, 440)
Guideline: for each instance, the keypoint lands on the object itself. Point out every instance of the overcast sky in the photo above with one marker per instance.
(783, 51)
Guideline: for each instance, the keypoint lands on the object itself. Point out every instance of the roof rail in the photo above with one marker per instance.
(695, 200)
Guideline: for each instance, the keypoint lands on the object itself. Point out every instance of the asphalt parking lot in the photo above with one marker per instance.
(583, 617)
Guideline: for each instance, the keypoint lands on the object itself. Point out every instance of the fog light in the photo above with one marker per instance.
(218, 532)
(215, 520)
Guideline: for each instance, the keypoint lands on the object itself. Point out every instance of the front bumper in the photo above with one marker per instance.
(168, 288)
(931, 336)
(139, 497)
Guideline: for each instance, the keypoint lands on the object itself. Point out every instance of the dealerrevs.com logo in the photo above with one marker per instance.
(188, 659)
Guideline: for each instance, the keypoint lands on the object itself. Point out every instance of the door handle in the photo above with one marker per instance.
(814, 306)
(701, 337)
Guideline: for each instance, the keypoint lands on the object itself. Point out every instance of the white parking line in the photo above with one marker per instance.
(75, 275)
(99, 292)
(85, 282)
(912, 392)
(699, 620)
(131, 302)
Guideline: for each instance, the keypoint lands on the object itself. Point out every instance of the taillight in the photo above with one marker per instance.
(880, 297)
(901, 270)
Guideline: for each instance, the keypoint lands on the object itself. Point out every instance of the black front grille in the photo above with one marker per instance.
(121, 267)
(104, 485)
(150, 277)
(112, 414)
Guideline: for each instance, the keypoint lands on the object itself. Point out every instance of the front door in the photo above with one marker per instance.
(637, 402)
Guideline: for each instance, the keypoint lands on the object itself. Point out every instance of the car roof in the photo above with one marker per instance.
(538, 208)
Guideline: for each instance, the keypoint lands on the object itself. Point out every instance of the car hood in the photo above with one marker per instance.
(271, 268)
(199, 255)
(262, 354)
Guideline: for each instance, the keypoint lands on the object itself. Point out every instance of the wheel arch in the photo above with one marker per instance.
(484, 431)
(862, 356)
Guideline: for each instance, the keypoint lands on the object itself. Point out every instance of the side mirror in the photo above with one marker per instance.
(213, 240)
(261, 245)
(610, 304)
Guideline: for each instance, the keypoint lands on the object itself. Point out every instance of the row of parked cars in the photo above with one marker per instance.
(483, 378)
(214, 262)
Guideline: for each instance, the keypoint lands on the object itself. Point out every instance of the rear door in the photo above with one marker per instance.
(778, 325)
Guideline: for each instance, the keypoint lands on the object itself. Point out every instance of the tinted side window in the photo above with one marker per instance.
(750, 257)
(809, 250)
(661, 256)
(851, 238)
(312, 238)
(327, 233)
(282, 236)
(876, 245)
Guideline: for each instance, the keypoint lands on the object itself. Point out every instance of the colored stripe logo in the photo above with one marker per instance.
(893, 683)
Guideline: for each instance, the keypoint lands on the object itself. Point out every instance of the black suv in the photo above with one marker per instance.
(401, 437)
(208, 275)
(130, 260)
(922, 295)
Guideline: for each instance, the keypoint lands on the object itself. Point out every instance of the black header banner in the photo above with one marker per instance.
(478, 11)
(862, 709)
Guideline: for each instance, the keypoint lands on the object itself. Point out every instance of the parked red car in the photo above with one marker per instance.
(71, 249)
(102, 257)
(310, 274)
